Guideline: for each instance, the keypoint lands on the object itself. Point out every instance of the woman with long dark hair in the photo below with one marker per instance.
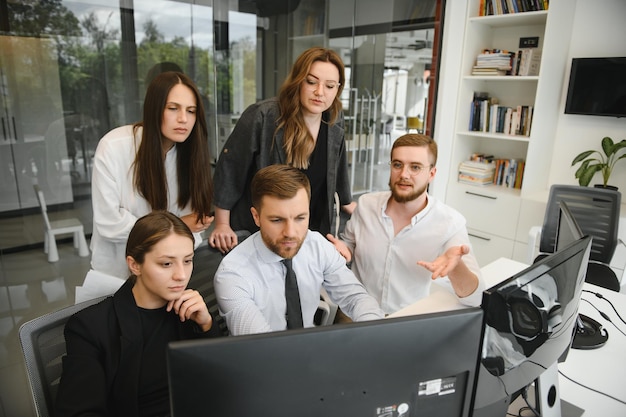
(160, 163)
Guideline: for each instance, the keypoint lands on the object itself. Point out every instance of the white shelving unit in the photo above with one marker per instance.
(496, 216)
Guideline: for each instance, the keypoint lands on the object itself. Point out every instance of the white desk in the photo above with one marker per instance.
(602, 369)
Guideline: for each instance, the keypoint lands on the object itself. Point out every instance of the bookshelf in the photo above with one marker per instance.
(495, 214)
(308, 26)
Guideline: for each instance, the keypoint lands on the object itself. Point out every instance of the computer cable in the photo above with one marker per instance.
(592, 389)
(604, 315)
(600, 296)
(528, 406)
(522, 410)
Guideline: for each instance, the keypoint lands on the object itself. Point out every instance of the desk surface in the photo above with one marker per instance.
(601, 369)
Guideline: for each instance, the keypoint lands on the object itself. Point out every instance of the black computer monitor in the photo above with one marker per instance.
(589, 333)
(409, 366)
(530, 320)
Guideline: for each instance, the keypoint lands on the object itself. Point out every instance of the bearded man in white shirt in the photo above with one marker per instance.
(399, 241)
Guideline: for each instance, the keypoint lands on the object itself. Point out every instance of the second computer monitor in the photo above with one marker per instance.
(530, 320)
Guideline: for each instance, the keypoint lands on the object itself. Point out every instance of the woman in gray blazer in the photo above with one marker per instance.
(302, 127)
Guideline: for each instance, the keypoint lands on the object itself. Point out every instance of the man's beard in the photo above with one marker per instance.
(275, 247)
(405, 198)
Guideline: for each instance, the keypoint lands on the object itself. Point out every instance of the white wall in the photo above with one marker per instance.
(599, 31)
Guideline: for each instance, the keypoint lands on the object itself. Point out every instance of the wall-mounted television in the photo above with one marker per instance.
(597, 87)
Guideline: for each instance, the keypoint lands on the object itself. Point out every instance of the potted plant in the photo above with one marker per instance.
(603, 162)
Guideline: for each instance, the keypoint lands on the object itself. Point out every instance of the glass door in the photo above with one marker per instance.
(34, 149)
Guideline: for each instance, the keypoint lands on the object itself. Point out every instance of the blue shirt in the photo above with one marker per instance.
(250, 285)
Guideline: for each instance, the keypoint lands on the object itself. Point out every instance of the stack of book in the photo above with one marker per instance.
(477, 173)
(494, 62)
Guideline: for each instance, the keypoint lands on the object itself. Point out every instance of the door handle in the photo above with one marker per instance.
(479, 237)
(481, 195)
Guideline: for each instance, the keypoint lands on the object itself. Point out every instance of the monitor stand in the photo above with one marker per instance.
(589, 334)
(546, 397)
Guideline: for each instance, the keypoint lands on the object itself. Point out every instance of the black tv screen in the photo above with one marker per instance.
(597, 86)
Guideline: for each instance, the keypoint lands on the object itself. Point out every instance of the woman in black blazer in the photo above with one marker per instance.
(116, 350)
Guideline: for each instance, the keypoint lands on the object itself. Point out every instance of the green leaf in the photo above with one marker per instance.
(582, 168)
(581, 156)
(607, 145)
(588, 174)
(619, 145)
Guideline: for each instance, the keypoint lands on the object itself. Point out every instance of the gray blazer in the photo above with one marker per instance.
(251, 146)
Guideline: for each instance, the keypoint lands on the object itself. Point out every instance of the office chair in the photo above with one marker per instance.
(326, 310)
(597, 212)
(43, 347)
(58, 227)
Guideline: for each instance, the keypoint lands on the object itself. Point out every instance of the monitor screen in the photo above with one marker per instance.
(409, 366)
(597, 86)
(530, 321)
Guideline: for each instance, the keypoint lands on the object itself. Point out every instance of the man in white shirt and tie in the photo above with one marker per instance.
(250, 281)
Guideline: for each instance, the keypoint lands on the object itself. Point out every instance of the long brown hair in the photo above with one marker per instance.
(193, 162)
(299, 143)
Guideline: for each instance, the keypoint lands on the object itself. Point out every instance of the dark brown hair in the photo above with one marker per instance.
(193, 163)
(279, 181)
(150, 230)
(299, 143)
(414, 139)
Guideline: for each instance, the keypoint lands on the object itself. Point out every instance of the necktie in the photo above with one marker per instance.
(294, 311)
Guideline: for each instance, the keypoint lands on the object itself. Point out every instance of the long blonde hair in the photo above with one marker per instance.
(298, 142)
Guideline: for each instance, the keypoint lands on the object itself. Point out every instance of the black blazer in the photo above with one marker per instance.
(252, 146)
(104, 354)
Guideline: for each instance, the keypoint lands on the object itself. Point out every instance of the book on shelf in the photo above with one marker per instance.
(494, 62)
(476, 172)
(525, 62)
(480, 157)
(488, 115)
(492, 71)
(483, 169)
(496, 7)
(508, 173)
(529, 62)
(482, 112)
